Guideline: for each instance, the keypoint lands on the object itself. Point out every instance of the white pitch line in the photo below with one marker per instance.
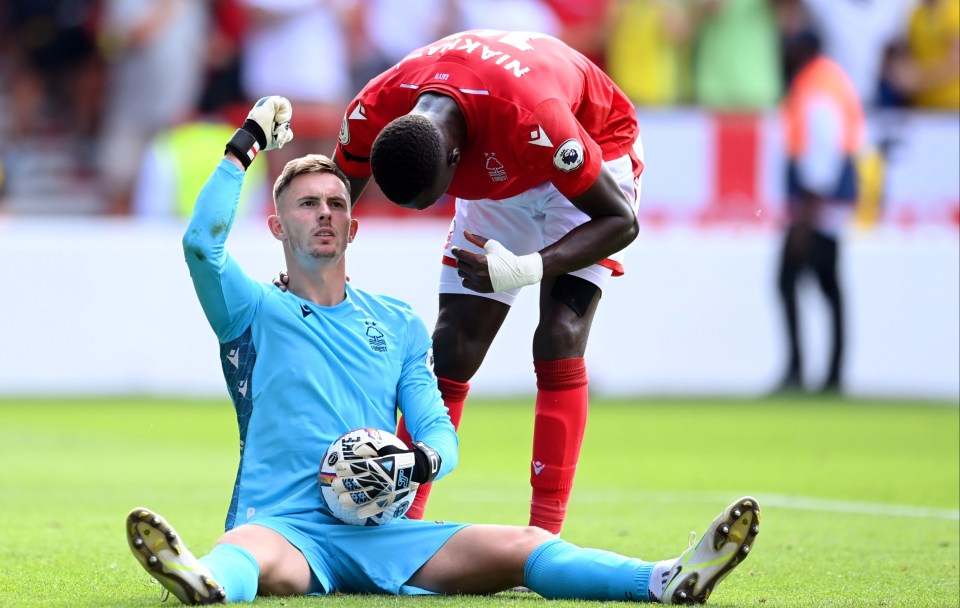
(859, 508)
(780, 501)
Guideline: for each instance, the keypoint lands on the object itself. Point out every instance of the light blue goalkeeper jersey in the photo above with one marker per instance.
(300, 375)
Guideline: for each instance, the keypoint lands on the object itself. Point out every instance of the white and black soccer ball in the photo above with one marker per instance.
(342, 449)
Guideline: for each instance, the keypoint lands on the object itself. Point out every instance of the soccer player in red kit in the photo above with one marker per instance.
(542, 152)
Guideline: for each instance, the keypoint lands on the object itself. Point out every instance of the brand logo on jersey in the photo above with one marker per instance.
(495, 168)
(242, 388)
(305, 311)
(569, 155)
(234, 357)
(375, 337)
(359, 113)
(538, 137)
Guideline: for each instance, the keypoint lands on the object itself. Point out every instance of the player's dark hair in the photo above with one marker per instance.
(311, 163)
(406, 156)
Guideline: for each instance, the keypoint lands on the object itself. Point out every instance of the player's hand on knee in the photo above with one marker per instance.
(499, 270)
(472, 267)
(267, 127)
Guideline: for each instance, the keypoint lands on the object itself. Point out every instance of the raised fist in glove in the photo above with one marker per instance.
(381, 475)
(267, 127)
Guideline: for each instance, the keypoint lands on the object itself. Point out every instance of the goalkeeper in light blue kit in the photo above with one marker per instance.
(307, 365)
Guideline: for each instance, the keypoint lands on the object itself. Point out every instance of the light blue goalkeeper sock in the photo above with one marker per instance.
(560, 570)
(235, 569)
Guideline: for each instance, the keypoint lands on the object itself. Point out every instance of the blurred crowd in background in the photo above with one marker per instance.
(102, 100)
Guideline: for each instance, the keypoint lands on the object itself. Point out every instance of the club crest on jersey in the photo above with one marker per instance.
(569, 155)
(494, 167)
(375, 337)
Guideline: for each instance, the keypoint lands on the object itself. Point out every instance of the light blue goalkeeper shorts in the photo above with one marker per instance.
(362, 559)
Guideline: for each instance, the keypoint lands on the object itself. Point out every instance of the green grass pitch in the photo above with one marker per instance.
(859, 498)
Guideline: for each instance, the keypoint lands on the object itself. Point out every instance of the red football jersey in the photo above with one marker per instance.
(536, 110)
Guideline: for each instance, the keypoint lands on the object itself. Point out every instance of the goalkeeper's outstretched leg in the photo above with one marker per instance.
(412, 557)
(725, 544)
(505, 557)
(159, 550)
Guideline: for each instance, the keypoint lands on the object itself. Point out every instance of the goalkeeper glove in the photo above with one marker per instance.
(383, 475)
(267, 127)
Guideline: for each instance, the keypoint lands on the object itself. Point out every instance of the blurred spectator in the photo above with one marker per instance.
(55, 74)
(222, 89)
(176, 166)
(648, 50)
(171, 172)
(736, 65)
(824, 125)
(923, 69)
(298, 49)
(934, 42)
(523, 15)
(585, 25)
(855, 34)
(379, 43)
(896, 66)
(155, 69)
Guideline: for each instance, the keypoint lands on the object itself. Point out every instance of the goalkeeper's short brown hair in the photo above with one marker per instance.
(311, 163)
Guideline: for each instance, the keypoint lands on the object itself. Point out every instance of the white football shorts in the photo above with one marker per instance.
(529, 222)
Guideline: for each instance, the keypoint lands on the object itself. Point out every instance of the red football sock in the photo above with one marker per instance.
(453, 394)
(559, 422)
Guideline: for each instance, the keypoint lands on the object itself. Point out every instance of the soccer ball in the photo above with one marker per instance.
(342, 449)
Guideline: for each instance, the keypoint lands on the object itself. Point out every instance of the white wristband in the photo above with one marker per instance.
(510, 271)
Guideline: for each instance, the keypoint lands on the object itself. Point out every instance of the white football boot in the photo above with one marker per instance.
(725, 544)
(157, 547)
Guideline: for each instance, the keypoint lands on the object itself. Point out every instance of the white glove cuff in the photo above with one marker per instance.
(509, 271)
